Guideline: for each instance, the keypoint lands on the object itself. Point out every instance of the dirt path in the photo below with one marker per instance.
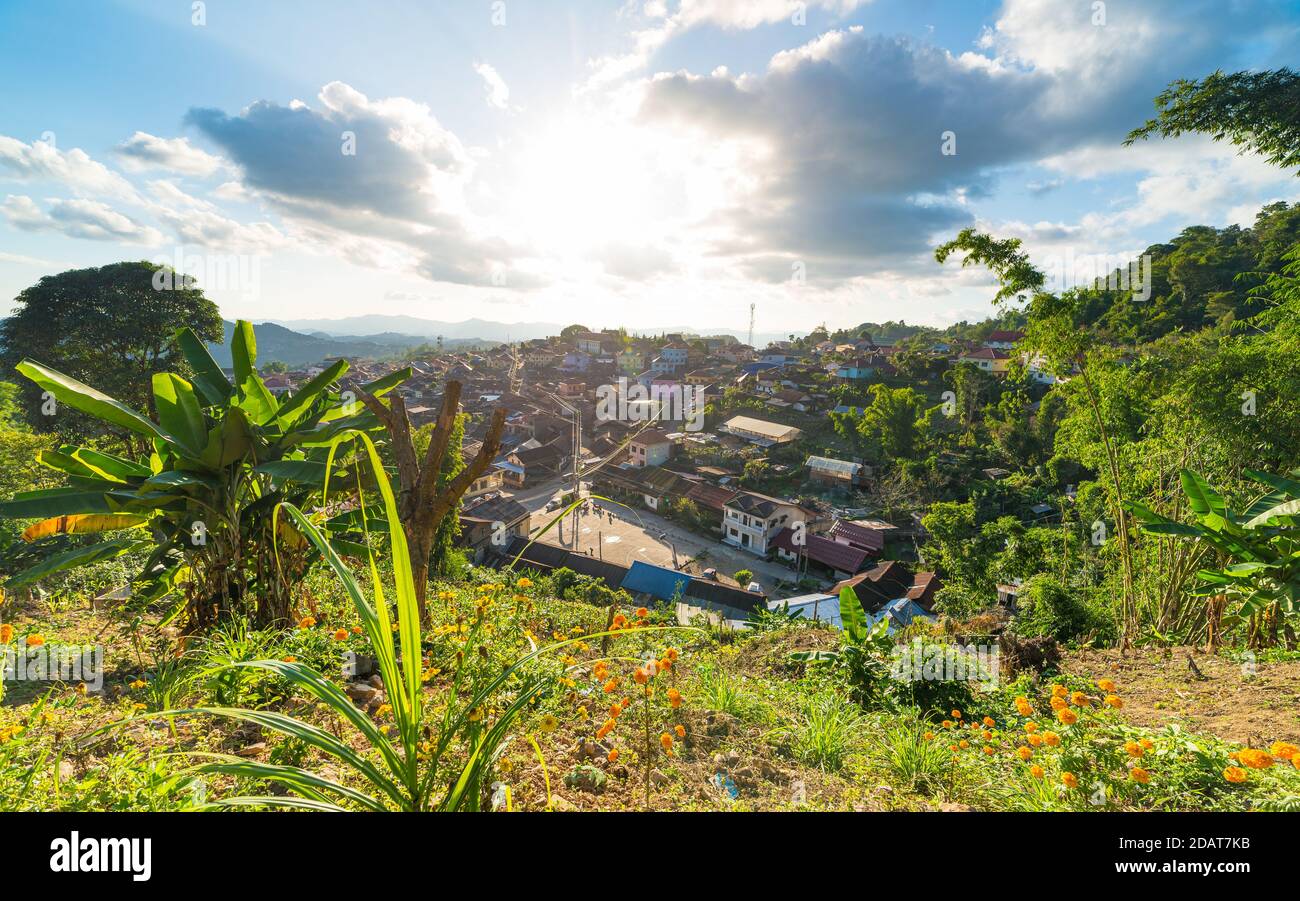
(1232, 702)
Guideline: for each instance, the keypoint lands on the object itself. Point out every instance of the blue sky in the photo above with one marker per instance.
(660, 163)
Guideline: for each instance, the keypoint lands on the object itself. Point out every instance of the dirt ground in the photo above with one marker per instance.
(1254, 705)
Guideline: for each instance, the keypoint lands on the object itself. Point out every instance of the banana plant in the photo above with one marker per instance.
(432, 760)
(1259, 549)
(222, 454)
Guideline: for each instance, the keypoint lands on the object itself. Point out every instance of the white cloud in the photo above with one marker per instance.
(73, 169)
(145, 151)
(78, 218)
(498, 93)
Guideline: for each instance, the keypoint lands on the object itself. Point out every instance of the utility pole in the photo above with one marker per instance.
(751, 324)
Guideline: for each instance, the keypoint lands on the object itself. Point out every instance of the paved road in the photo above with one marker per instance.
(622, 535)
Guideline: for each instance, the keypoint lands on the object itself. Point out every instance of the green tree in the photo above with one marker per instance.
(110, 326)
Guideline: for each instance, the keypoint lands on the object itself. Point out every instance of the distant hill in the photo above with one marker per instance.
(275, 343)
(375, 325)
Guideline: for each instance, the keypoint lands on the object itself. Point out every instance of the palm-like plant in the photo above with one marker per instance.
(221, 457)
(428, 764)
(1259, 550)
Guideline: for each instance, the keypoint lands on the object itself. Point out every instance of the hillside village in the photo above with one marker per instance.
(749, 475)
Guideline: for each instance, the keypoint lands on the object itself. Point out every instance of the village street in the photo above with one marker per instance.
(621, 535)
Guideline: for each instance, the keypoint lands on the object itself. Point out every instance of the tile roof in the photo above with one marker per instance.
(820, 549)
(863, 537)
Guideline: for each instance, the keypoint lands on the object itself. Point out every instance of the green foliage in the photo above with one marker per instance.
(1052, 610)
(111, 326)
(221, 456)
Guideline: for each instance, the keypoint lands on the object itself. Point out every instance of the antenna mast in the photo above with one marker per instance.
(751, 325)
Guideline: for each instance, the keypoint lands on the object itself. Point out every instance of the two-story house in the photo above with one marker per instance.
(751, 521)
(650, 448)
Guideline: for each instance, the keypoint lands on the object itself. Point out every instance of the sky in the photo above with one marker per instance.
(654, 164)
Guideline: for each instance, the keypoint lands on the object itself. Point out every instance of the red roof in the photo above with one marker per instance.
(1010, 337)
(869, 539)
(711, 496)
(820, 549)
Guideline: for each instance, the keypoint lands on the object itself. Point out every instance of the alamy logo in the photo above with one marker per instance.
(103, 855)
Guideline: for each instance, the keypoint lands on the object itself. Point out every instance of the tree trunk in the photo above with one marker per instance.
(421, 505)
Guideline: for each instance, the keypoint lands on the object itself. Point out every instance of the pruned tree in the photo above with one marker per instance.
(424, 501)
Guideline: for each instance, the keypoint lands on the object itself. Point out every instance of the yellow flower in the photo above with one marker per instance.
(1059, 690)
(1031, 727)
(1069, 780)
(1079, 699)
(1023, 707)
(1034, 740)
(384, 710)
(1058, 703)
(549, 723)
(1106, 685)
(1067, 716)
(963, 744)
(476, 714)
(1053, 740)
(1024, 753)
(1234, 774)
(1139, 775)
(525, 582)
(1036, 771)
(1114, 701)
(138, 684)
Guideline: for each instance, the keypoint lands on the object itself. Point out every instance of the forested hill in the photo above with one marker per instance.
(1200, 279)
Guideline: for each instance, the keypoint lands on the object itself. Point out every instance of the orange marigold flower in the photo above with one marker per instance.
(929, 736)
(290, 659)
(641, 676)
(306, 622)
(988, 721)
(1284, 750)
(1034, 740)
(1059, 690)
(340, 634)
(614, 711)
(672, 654)
(947, 724)
(1114, 701)
(986, 735)
(1023, 707)
(988, 751)
(1036, 771)
(956, 714)
(674, 697)
(680, 730)
(1067, 716)
(642, 613)
(1147, 744)
(665, 664)
(611, 686)
(6, 633)
(952, 748)
(612, 756)
(1133, 748)
(1106, 685)
(1053, 740)
(1024, 753)
(1069, 780)
(1031, 727)
(606, 728)
(963, 744)
(35, 640)
(1255, 759)
(1234, 774)
(1139, 775)
(1058, 703)
(667, 741)
(1079, 699)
